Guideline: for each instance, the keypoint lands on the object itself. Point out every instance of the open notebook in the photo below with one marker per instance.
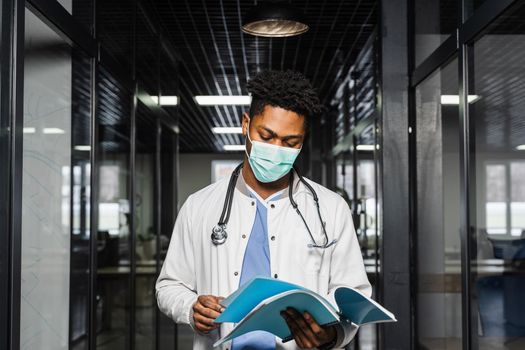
(258, 303)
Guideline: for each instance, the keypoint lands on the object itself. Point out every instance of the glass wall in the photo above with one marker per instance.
(365, 218)
(470, 190)
(46, 194)
(146, 228)
(356, 166)
(168, 211)
(497, 264)
(93, 163)
(80, 174)
(438, 206)
(114, 214)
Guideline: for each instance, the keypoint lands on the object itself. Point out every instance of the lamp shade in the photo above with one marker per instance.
(274, 19)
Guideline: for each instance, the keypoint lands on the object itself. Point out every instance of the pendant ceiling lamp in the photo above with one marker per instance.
(274, 19)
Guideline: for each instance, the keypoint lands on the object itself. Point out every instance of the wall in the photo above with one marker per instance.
(195, 171)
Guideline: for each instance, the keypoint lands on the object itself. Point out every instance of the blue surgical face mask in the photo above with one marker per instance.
(269, 162)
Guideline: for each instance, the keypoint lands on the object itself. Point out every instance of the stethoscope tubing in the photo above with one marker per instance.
(219, 233)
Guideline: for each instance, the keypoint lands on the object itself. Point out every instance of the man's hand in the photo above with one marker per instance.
(205, 310)
(306, 331)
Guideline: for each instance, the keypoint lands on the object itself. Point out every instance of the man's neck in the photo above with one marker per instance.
(264, 190)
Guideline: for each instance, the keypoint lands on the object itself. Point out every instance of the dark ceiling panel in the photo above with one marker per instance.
(217, 58)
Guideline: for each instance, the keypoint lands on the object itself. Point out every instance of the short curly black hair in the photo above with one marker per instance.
(288, 89)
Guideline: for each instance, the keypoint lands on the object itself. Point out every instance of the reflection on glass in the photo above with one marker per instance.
(113, 229)
(146, 228)
(438, 235)
(46, 195)
(81, 196)
(168, 207)
(365, 218)
(435, 21)
(498, 246)
(345, 177)
(471, 6)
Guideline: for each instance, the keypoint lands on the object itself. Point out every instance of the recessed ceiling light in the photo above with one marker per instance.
(166, 100)
(219, 100)
(271, 19)
(233, 147)
(53, 131)
(454, 99)
(226, 130)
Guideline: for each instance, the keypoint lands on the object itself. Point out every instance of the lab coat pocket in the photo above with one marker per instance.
(309, 258)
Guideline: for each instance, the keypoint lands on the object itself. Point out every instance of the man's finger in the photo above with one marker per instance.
(204, 320)
(298, 318)
(300, 338)
(292, 328)
(212, 304)
(203, 328)
(211, 313)
(314, 326)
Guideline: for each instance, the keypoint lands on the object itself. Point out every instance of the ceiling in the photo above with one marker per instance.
(217, 58)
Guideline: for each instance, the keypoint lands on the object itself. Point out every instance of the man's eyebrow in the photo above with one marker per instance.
(274, 134)
(270, 131)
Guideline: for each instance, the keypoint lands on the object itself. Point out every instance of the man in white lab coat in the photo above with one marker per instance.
(266, 235)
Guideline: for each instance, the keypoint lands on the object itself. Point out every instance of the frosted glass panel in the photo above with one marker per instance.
(46, 188)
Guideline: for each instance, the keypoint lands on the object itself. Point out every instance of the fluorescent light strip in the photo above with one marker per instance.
(520, 147)
(226, 130)
(233, 147)
(217, 100)
(365, 147)
(29, 130)
(166, 100)
(53, 131)
(83, 148)
(454, 99)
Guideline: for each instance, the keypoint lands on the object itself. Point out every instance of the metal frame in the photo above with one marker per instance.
(57, 17)
(92, 336)
(12, 80)
(394, 174)
(157, 209)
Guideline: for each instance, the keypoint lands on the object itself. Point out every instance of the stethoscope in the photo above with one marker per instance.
(219, 233)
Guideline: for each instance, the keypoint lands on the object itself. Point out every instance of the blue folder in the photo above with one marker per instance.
(257, 306)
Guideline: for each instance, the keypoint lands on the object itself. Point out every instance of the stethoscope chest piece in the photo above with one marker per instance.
(219, 234)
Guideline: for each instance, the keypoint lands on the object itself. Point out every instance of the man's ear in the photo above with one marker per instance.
(245, 122)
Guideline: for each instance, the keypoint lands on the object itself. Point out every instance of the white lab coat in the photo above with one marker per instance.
(195, 266)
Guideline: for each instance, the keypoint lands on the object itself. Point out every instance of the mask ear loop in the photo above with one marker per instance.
(247, 138)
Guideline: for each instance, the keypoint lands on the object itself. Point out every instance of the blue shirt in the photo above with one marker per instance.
(257, 263)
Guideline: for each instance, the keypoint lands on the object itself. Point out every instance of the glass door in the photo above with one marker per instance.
(438, 264)
(497, 163)
(113, 297)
